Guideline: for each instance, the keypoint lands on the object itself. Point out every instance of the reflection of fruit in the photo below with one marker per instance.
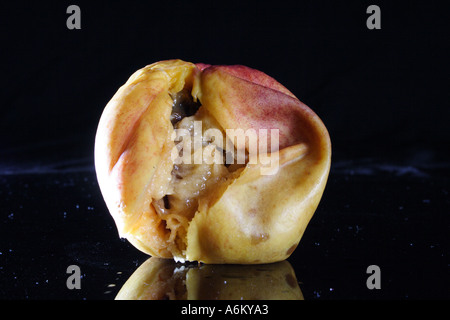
(161, 279)
(155, 279)
(212, 213)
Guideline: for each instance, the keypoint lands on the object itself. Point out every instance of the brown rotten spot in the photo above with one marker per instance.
(210, 212)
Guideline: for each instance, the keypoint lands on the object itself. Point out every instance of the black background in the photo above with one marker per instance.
(380, 92)
(383, 95)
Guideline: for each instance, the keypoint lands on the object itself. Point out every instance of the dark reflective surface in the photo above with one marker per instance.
(391, 216)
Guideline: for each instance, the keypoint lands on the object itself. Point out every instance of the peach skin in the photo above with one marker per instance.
(216, 164)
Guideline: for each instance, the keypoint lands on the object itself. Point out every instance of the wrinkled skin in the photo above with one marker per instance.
(243, 217)
(161, 279)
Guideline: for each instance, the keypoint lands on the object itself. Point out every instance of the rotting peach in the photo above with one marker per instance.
(208, 210)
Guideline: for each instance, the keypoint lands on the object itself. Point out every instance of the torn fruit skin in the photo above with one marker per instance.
(210, 213)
